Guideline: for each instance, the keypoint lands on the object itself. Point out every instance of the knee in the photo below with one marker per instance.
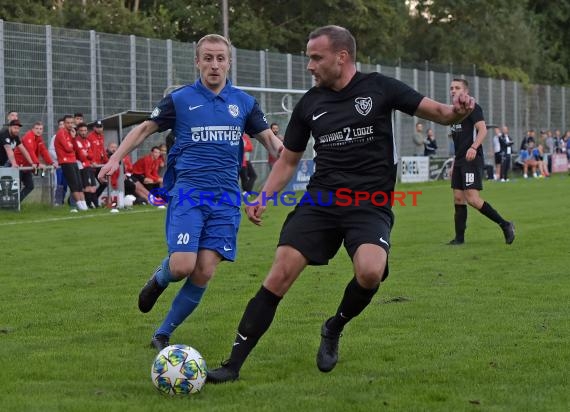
(286, 268)
(370, 278)
(202, 275)
(181, 268)
(282, 272)
(458, 199)
(473, 203)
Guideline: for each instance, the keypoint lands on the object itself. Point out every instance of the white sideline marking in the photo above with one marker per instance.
(78, 216)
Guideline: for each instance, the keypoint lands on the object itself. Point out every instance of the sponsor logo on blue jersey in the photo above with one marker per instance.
(217, 134)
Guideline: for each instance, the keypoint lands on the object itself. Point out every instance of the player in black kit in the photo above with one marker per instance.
(349, 115)
(467, 176)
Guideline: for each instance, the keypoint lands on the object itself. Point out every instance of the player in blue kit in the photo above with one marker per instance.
(208, 119)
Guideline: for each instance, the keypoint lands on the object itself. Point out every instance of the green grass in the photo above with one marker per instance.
(481, 327)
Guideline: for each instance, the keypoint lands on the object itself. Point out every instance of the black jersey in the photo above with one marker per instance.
(352, 128)
(464, 134)
(7, 139)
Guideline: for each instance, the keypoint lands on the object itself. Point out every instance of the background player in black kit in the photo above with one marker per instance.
(467, 176)
(349, 115)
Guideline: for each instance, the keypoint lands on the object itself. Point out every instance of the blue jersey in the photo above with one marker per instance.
(207, 153)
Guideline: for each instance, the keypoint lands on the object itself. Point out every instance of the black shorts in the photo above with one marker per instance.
(73, 177)
(468, 175)
(137, 178)
(498, 158)
(88, 177)
(318, 231)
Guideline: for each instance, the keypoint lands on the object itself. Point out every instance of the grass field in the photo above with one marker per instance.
(479, 327)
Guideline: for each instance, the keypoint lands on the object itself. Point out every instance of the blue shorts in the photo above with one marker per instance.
(190, 228)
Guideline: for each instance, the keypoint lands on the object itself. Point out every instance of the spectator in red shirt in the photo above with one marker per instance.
(97, 140)
(34, 144)
(84, 152)
(65, 150)
(272, 159)
(145, 170)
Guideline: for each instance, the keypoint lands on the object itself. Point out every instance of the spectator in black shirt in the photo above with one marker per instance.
(430, 145)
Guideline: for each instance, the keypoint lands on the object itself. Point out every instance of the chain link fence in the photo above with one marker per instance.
(46, 72)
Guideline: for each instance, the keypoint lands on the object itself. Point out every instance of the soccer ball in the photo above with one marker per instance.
(178, 370)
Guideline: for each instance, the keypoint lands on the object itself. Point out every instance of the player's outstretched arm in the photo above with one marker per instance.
(462, 106)
(133, 139)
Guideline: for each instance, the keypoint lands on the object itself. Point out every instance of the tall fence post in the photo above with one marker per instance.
(490, 108)
(49, 82)
(93, 72)
(149, 70)
(563, 107)
(2, 78)
(133, 59)
(398, 118)
(169, 75)
(234, 66)
(503, 121)
(516, 129)
(262, 76)
(548, 108)
(289, 71)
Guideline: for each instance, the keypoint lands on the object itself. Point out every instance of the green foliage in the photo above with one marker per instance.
(518, 39)
(498, 34)
(108, 16)
(25, 11)
(507, 73)
(481, 327)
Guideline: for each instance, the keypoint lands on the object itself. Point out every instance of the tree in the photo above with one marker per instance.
(25, 11)
(483, 33)
(552, 19)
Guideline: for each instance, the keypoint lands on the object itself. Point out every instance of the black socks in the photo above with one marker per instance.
(255, 321)
(460, 222)
(355, 299)
(492, 214)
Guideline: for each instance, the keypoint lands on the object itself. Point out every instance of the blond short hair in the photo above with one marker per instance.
(213, 38)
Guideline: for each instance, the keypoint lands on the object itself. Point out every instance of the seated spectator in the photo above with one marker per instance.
(34, 144)
(538, 154)
(132, 186)
(145, 170)
(529, 160)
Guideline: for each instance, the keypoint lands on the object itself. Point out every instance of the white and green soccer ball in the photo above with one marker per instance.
(178, 370)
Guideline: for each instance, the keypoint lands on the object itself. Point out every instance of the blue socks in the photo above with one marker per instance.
(164, 276)
(183, 305)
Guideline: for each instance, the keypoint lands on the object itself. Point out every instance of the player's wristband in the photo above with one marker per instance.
(474, 148)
